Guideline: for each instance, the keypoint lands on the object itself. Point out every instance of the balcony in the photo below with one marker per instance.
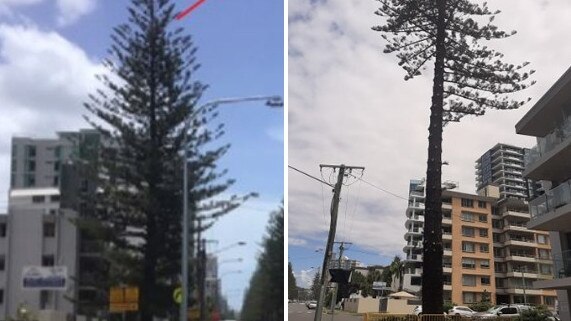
(561, 273)
(550, 157)
(549, 211)
(415, 258)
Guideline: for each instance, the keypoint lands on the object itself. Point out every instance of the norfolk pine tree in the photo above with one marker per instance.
(142, 116)
(468, 79)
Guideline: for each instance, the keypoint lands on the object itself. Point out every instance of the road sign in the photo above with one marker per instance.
(177, 295)
(123, 299)
(193, 314)
(123, 307)
(44, 278)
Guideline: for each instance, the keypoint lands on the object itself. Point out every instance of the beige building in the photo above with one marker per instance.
(483, 245)
(550, 121)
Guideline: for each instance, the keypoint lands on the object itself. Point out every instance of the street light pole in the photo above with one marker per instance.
(271, 101)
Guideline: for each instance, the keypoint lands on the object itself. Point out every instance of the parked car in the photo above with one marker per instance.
(311, 305)
(502, 311)
(418, 310)
(461, 310)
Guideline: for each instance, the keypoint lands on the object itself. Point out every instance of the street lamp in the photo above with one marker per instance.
(233, 245)
(239, 260)
(271, 101)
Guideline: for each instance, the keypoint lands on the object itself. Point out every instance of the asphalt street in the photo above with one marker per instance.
(299, 312)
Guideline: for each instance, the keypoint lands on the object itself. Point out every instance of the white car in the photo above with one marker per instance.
(461, 310)
(311, 305)
(418, 310)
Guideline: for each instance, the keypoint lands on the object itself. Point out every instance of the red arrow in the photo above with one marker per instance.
(189, 9)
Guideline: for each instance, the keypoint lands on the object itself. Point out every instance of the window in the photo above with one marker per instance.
(1, 296)
(55, 181)
(49, 229)
(545, 269)
(48, 260)
(468, 297)
(542, 239)
(549, 300)
(44, 299)
(468, 247)
(467, 202)
(482, 204)
(485, 280)
(57, 152)
(483, 218)
(38, 199)
(30, 151)
(468, 263)
(468, 217)
(31, 166)
(2, 263)
(484, 248)
(544, 254)
(56, 166)
(54, 198)
(508, 311)
(467, 231)
(416, 281)
(29, 180)
(483, 232)
(468, 280)
(497, 224)
(485, 264)
(3, 229)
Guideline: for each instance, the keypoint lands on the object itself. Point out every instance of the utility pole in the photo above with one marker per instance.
(332, 229)
(201, 269)
(334, 297)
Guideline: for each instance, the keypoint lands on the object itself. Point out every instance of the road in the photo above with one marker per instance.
(299, 312)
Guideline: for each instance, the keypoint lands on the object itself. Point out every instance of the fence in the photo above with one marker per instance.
(375, 316)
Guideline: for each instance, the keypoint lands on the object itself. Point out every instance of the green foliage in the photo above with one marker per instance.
(316, 285)
(481, 306)
(264, 298)
(146, 114)
(537, 314)
(292, 288)
(447, 306)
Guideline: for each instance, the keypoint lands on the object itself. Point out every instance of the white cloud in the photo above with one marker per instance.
(304, 278)
(348, 103)
(296, 241)
(44, 80)
(19, 2)
(71, 10)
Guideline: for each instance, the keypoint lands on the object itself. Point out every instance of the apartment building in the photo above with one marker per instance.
(521, 255)
(502, 166)
(37, 233)
(46, 186)
(485, 246)
(549, 120)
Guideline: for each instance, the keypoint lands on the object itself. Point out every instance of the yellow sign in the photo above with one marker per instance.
(132, 294)
(193, 313)
(123, 307)
(177, 295)
(116, 295)
(123, 299)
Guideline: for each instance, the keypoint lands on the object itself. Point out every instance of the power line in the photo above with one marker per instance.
(379, 188)
(311, 176)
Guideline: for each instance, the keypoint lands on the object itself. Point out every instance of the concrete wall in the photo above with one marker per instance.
(362, 305)
(399, 306)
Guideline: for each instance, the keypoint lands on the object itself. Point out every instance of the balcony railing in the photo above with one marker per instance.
(551, 200)
(549, 142)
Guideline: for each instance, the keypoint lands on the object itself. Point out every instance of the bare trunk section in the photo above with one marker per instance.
(432, 292)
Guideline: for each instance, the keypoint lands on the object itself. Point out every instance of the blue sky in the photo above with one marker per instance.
(241, 51)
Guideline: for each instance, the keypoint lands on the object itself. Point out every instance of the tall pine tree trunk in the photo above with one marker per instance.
(432, 292)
